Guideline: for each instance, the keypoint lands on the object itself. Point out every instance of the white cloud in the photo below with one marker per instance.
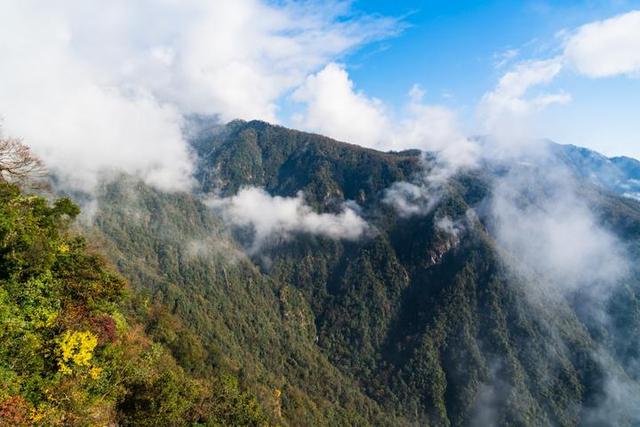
(449, 226)
(241, 56)
(281, 217)
(435, 128)
(101, 85)
(409, 199)
(548, 228)
(504, 110)
(504, 58)
(78, 122)
(606, 48)
(335, 109)
(598, 49)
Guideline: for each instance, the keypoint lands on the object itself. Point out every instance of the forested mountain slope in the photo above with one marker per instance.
(415, 323)
(73, 352)
(236, 319)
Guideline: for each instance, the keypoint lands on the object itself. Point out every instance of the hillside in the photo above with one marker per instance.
(301, 213)
(412, 324)
(71, 351)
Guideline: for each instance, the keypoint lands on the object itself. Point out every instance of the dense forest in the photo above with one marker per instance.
(77, 345)
(155, 310)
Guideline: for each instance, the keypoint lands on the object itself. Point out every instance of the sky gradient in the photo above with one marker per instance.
(454, 51)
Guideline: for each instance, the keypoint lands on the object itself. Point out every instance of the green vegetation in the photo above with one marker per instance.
(219, 312)
(69, 354)
(410, 326)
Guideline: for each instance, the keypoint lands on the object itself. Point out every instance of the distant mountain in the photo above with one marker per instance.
(618, 174)
(422, 321)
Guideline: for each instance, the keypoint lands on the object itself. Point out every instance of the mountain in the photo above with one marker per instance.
(411, 325)
(618, 174)
(435, 313)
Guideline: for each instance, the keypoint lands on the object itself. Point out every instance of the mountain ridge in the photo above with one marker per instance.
(420, 322)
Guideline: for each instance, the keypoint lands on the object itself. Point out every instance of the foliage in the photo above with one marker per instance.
(425, 323)
(411, 326)
(197, 294)
(77, 348)
(68, 355)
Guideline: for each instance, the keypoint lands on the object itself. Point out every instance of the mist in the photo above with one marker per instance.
(274, 218)
(543, 218)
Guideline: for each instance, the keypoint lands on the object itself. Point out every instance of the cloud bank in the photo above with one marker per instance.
(76, 120)
(274, 217)
(540, 220)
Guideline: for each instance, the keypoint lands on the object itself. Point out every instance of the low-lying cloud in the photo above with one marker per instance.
(279, 218)
(549, 229)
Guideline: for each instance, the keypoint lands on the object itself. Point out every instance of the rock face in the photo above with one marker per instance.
(417, 323)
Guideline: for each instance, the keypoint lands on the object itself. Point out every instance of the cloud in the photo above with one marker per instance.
(598, 49)
(94, 86)
(454, 228)
(239, 57)
(272, 217)
(504, 110)
(435, 128)
(79, 123)
(335, 109)
(539, 218)
(408, 198)
(606, 48)
(501, 59)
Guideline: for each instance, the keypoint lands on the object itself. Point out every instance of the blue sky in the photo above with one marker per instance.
(451, 49)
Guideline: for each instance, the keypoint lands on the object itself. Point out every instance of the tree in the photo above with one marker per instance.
(18, 165)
